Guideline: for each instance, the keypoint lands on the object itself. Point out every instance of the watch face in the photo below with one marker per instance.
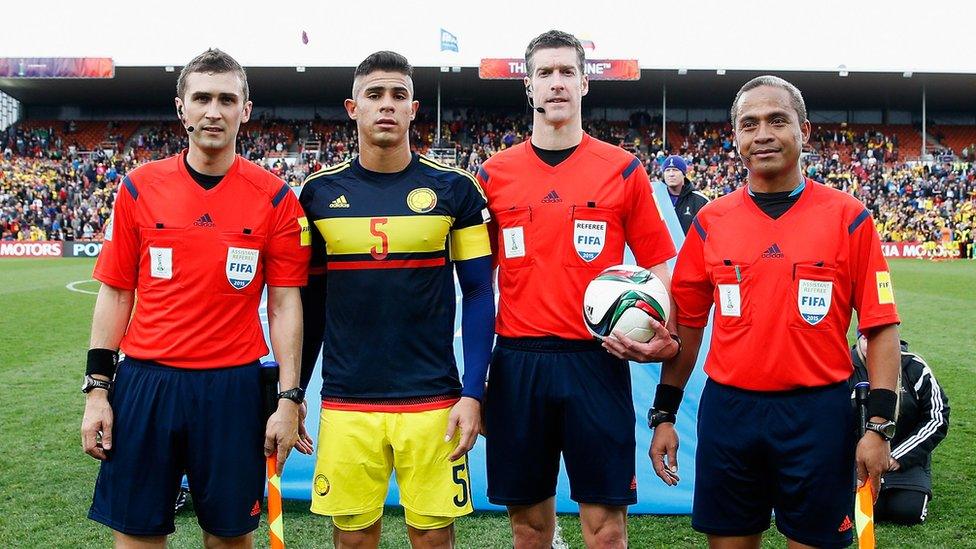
(88, 384)
(91, 383)
(886, 429)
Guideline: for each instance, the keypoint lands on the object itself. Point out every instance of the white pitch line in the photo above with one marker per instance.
(557, 539)
(72, 286)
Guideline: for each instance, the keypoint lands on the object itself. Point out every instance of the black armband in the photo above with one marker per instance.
(667, 398)
(102, 362)
(882, 403)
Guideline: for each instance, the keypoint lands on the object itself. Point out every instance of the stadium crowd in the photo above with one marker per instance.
(48, 191)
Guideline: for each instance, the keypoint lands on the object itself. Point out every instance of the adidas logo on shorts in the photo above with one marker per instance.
(340, 202)
(846, 524)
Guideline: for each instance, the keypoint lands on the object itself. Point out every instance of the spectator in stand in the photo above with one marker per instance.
(685, 200)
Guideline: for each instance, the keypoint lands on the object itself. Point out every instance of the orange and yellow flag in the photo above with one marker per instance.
(864, 516)
(275, 523)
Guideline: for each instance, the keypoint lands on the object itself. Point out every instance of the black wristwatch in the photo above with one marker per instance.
(296, 395)
(91, 383)
(657, 417)
(885, 429)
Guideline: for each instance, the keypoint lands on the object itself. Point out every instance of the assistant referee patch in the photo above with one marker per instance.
(885, 293)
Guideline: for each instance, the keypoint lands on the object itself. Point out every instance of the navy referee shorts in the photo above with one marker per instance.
(168, 421)
(791, 452)
(547, 397)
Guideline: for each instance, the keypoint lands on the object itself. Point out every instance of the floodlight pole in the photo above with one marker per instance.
(664, 116)
(438, 139)
(923, 122)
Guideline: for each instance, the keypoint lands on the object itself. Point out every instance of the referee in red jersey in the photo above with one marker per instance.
(785, 262)
(191, 243)
(564, 204)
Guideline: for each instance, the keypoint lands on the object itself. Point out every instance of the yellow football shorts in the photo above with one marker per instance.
(356, 453)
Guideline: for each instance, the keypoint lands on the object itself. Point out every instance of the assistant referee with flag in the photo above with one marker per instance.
(785, 261)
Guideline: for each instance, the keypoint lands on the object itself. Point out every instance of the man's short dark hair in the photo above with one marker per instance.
(212, 61)
(389, 61)
(796, 98)
(554, 39)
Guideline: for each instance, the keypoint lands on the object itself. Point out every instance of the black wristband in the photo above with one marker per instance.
(667, 398)
(102, 362)
(882, 403)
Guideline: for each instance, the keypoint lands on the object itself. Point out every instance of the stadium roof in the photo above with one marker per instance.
(153, 88)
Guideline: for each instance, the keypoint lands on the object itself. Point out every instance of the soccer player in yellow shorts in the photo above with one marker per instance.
(359, 450)
(389, 230)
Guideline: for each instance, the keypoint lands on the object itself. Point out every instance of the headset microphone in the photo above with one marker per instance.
(189, 129)
(528, 97)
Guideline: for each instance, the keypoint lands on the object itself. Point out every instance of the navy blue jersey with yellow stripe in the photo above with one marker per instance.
(387, 243)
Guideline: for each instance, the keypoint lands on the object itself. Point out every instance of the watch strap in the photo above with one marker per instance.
(92, 383)
(296, 395)
(656, 417)
(885, 430)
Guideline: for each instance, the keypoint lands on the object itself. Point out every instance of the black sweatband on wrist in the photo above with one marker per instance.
(667, 398)
(102, 362)
(882, 403)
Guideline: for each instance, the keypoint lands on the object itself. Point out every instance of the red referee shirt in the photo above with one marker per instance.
(783, 289)
(198, 260)
(557, 227)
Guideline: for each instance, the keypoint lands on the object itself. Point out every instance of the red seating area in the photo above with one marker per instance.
(956, 138)
(125, 130)
(675, 136)
(87, 134)
(270, 127)
(909, 140)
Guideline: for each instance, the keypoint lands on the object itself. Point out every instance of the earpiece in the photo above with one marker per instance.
(179, 111)
(528, 96)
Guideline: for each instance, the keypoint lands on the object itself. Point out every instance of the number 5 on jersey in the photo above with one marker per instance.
(374, 229)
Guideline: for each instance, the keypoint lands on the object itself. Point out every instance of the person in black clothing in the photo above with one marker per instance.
(922, 422)
(684, 198)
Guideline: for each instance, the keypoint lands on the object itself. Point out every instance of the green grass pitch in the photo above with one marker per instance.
(46, 481)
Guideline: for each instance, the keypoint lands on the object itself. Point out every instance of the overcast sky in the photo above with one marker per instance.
(891, 36)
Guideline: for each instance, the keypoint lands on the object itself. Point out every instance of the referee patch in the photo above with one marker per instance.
(885, 293)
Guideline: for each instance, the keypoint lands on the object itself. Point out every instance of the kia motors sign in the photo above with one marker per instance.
(30, 249)
(595, 69)
(920, 250)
